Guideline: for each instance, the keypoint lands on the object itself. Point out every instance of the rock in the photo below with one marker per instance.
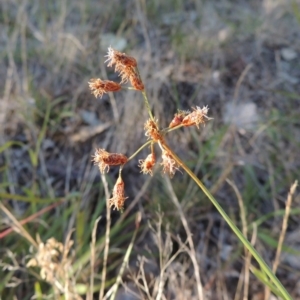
(242, 115)
(288, 54)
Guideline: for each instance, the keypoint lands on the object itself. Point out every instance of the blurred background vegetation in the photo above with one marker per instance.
(241, 58)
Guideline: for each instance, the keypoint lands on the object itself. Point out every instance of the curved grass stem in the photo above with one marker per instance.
(140, 149)
(147, 104)
(145, 98)
(283, 292)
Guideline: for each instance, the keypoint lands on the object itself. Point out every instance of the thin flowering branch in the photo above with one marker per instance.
(139, 150)
(147, 105)
(127, 68)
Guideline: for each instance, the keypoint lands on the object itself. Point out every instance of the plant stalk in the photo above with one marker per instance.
(147, 104)
(234, 228)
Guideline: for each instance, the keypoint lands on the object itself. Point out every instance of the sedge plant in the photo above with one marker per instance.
(127, 68)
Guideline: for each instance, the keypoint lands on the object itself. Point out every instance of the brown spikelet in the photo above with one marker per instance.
(197, 117)
(99, 87)
(115, 159)
(147, 164)
(127, 61)
(118, 197)
(137, 83)
(126, 66)
(152, 131)
(119, 59)
(178, 118)
(126, 73)
(105, 159)
(112, 86)
(170, 166)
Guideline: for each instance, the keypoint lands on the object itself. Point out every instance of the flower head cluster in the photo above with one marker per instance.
(126, 66)
(55, 262)
(105, 159)
(147, 164)
(49, 256)
(152, 130)
(178, 118)
(118, 197)
(136, 82)
(120, 60)
(99, 87)
(197, 117)
(170, 166)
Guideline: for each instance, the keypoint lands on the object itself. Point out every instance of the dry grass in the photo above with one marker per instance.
(222, 54)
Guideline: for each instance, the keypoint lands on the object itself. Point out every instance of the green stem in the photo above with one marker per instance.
(145, 97)
(238, 233)
(167, 130)
(147, 104)
(137, 151)
(126, 258)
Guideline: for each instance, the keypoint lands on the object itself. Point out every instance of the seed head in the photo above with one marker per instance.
(136, 82)
(118, 197)
(169, 164)
(147, 164)
(120, 60)
(177, 120)
(105, 159)
(126, 73)
(126, 66)
(152, 131)
(197, 117)
(53, 258)
(99, 87)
